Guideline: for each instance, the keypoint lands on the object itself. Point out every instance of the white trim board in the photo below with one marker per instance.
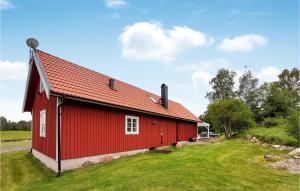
(42, 75)
(27, 83)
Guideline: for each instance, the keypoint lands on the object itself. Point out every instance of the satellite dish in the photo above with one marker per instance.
(32, 43)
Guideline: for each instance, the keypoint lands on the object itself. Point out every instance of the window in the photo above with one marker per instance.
(41, 86)
(43, 123)
(131, 125)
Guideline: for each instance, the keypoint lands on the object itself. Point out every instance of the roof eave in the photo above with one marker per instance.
(43, 76)
(120, 107)
(27, 83)
(44, 79)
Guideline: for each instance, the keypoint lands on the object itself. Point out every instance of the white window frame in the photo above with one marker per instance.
(43, 123)
(126, 125)
(41, 86)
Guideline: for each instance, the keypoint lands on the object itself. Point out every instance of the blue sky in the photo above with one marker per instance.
(147, 43)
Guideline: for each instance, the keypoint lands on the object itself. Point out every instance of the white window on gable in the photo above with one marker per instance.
(131, 125)
(41, 86)
(43, 123)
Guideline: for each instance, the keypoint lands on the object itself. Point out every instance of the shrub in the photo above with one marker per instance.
(275, 135)
(272, 122)
(293, 124)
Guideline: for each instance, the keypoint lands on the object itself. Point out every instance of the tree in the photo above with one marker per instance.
(277, 102)
(248, 90)
(222, 85)
(229, 116)
(289, 80)
(260, 96)
(3, 122)
(24, 125)
(206, 118)
(10, 125)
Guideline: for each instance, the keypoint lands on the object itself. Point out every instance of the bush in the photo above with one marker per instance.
(275, 135)
(293, 124)
(272, 122)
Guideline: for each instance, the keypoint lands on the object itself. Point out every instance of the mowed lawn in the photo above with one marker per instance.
(15, 135)
(228, 165)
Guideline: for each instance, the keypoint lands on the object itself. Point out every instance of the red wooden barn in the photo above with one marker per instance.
(80, 115)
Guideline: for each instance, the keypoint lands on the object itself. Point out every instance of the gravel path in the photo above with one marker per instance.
(13, 149)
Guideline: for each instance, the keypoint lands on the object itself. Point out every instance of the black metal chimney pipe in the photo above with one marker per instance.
(111, 83)
(164, 96)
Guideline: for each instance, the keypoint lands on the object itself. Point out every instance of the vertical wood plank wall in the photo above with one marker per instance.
(89, 130)
(46, 145)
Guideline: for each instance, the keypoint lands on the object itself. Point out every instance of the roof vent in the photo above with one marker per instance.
(111, 83)
(154, 100)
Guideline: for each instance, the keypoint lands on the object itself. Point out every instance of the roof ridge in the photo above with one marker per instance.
(69, 62)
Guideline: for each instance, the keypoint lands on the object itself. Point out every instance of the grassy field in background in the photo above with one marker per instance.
(274, 135)
(15, 135)
(228, 165)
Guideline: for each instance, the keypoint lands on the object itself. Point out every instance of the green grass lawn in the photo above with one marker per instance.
(275, 135)
(227, 165)
(15, 135)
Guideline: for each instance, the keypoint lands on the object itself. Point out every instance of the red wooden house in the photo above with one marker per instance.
(80, 115)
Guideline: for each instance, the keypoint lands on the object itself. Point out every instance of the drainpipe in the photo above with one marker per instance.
(58, 138)
(177, 137)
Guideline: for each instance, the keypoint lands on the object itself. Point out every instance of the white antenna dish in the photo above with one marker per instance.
(32, 43)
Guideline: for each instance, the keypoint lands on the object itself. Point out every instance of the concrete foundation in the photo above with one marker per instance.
(70, 164)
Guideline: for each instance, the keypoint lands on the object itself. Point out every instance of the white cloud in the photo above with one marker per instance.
(12, 110)
(208, 65)
(149, 41)
(12, 70)
(115, 3)
(5, 4)
(268, 74)
(242, 43)
(201, 78)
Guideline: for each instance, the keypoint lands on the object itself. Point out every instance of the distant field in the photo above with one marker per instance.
(15, 135)
(228, 165)
(275, 135)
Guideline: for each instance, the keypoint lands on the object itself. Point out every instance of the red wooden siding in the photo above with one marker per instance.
(46, 145)
(186, 130)
(89, 130)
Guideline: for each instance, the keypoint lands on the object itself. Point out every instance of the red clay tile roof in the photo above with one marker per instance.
(74, 80)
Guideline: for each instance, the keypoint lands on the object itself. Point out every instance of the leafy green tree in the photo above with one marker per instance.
(290, 80)
(3, 122)
(207, 119)
(261, 95)
(248, 90)
(222, 85)
(278, 102)
(24, 125)
(229, 116)
(10, 125)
